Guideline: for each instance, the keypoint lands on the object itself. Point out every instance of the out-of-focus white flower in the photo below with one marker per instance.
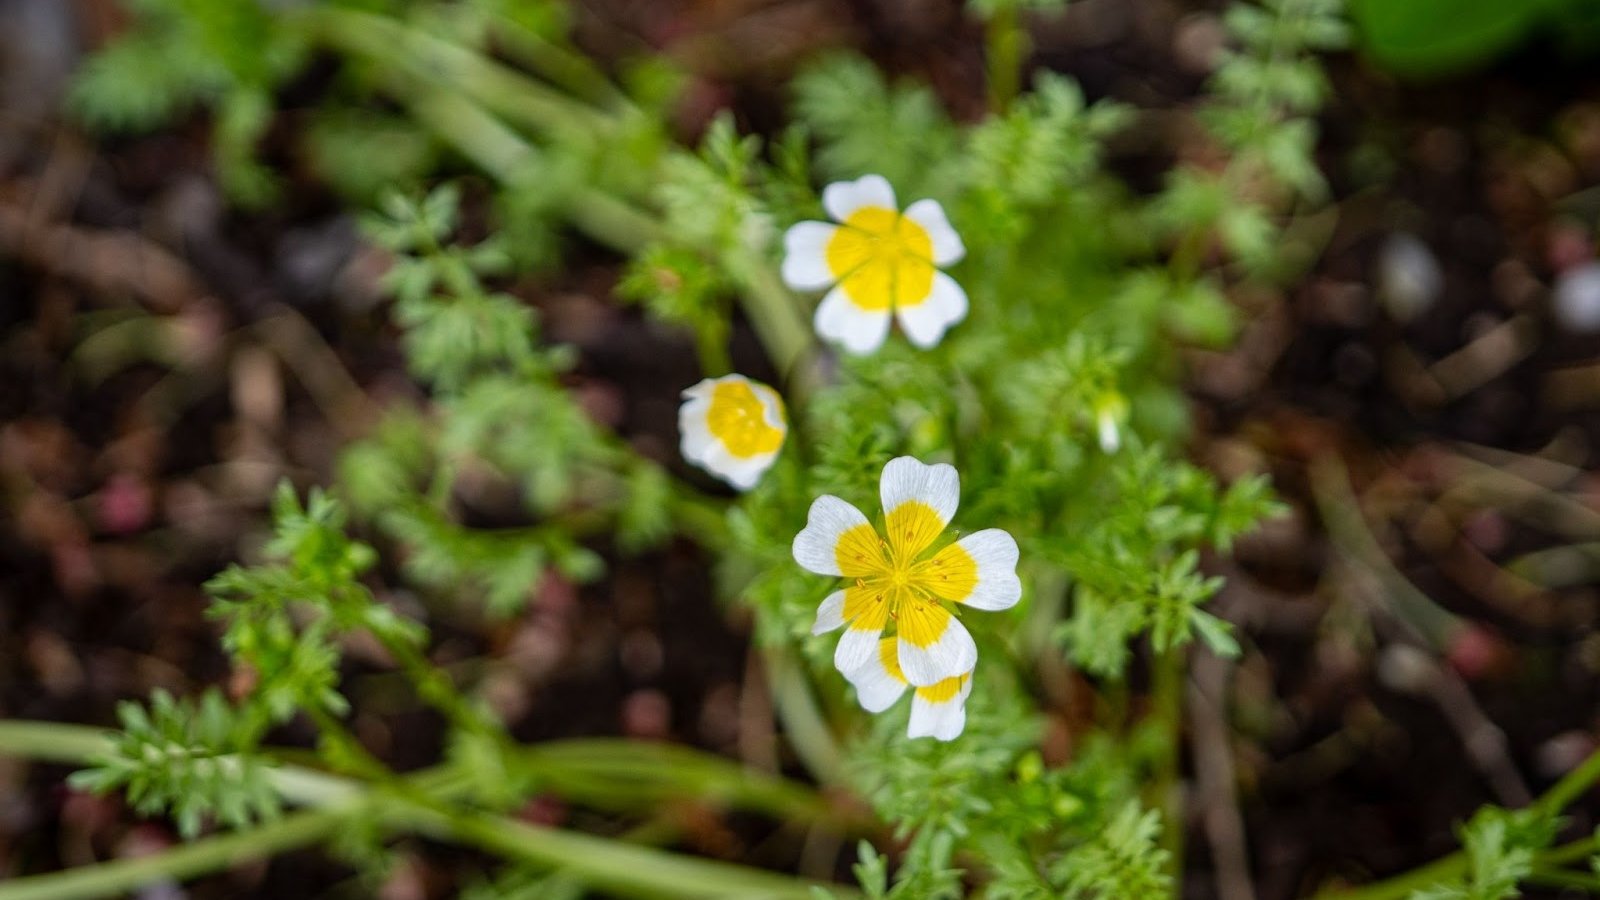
(732, 427)
(1409, 277)
(880, 262)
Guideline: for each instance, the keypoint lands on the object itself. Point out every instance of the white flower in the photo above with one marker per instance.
(733, 428)
(878, 261)
(896, 580)
(938, 710)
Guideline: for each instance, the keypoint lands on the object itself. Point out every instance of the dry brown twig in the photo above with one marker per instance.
(1218, 800)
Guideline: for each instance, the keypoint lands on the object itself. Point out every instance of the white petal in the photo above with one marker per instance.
(944, 721)
(771, 407)
(878, 692)
(860, 330)
(905, 478)
(805, 256)
(952, 654)
(1110, 437)
(830, 614)
(815, 547)
(856, 648)
(947, 246)
(842, 198)
(700, 390)
(876, 686)
(741, 472)
(995, 552)
(695, 438)
(925, 323)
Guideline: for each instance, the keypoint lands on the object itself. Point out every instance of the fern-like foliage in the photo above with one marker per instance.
(1122, 861)
(864, 124)
(1049, 137)
(282, 619)
(144, 80)
(501, 411)
(1501, 845)
(1137, 567)
(192, 760)
(1258, 109)
(230, 54)
(184, 52)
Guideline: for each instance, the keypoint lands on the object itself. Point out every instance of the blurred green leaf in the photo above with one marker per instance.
(1440, 37)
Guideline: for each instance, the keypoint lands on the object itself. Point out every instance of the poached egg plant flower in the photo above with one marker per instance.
(901, 581)
(733, 428)
(938, 710)
(879, 261)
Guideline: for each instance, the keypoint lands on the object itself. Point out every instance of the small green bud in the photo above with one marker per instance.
(1110, 417)
(1030, 767)
(1067, 806)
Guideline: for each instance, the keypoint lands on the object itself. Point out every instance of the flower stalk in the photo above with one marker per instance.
(417, 802)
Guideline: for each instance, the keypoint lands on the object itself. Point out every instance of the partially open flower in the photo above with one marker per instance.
(879, 261)
(938, 710)
(1110, 416)
(733, 428)
(900, 580)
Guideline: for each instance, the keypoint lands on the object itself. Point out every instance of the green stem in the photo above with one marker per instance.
(346, 749)
(1451, 867)
(564, 67)
(434, 60)
(1169, 671)
(182, 862)
(711, 347)
(1563, 878)
(627, 775)
(468, 121)
(783, 331)
(803, 723)
(606, 865)
(509, 157)
(1005, 44)
(702, 518)
(468, 117)
(436, 688)
(1187, 256)
(53, 742)
(1569, 853)
(1572, 785)
(611, 220)
(480, 137)
(416, 802)
(602, 771)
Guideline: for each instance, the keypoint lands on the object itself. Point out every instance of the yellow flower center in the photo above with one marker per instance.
(894, 582)
(882, 259)
(738, 419)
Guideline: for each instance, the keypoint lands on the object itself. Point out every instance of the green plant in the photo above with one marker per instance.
(1429, 38)
(1050, 386)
